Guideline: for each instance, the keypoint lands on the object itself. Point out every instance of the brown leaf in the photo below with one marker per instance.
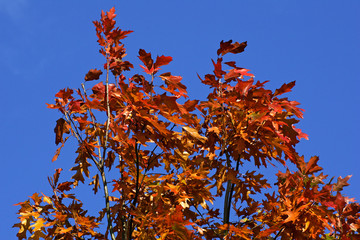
(311, 166)
(57, 153)
(60, 128)
(56, 175)
(341, 182)
(65, 186)
(226, 47)
(110, 159)
(146, 58)
(286, 87)
(93, 74)
(96, 183)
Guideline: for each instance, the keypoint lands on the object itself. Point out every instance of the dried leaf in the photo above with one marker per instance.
(60, 128)
(286, 87)
(226, 47)
(194, 133)
(93, 74)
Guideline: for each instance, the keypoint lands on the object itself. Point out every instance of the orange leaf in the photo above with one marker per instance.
(57, 153)
(161, 61)
(292, 216)
(312, 166)
(244, 72)
(38, 224)
(194, 133)
(218, 68)
(111, 13)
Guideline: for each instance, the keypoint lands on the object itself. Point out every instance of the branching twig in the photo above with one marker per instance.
(80, 140)
(93, 122)
(278, 234)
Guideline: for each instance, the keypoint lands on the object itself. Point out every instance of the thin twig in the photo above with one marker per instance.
(227, 200)
(137, 164)
(201, 215)
(107, 110)
(80, 140)
(152, 159)
(278, 234)
(107, 203)
(93, 122)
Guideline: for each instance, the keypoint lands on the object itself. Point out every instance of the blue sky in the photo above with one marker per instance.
(49, 45)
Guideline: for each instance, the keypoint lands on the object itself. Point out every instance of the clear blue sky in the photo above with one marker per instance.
(49, 45)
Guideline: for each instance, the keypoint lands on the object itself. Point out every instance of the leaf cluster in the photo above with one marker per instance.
(174, 156)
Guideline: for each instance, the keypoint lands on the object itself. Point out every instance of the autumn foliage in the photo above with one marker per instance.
(185, 169)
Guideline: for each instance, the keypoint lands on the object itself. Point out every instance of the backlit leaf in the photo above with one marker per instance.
(161, 61)
(167, 160)
(38, 224)
(194, 134)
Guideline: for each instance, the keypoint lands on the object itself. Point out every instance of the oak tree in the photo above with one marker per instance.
(185, 168)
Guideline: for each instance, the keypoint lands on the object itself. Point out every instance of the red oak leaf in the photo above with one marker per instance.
(146, 58)
(228, 46)
(218, 68)
(244, 72)
(60, 128)
(65, 94)
(341, 182)
(93, 74)
(286, 87)
(161, 61)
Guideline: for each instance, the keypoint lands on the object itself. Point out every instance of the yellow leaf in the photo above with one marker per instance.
(194, 133)
(306, 226)
(39, 224)
(47, 199)
(201, 230)
(65, 230)
(203, 204)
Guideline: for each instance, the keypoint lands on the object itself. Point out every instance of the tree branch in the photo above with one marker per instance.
(103, 177)
(137, 164)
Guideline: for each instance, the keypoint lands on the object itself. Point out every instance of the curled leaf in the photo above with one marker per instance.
(93, 74)
(286, 87)
(60, 128)
(226, 47)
